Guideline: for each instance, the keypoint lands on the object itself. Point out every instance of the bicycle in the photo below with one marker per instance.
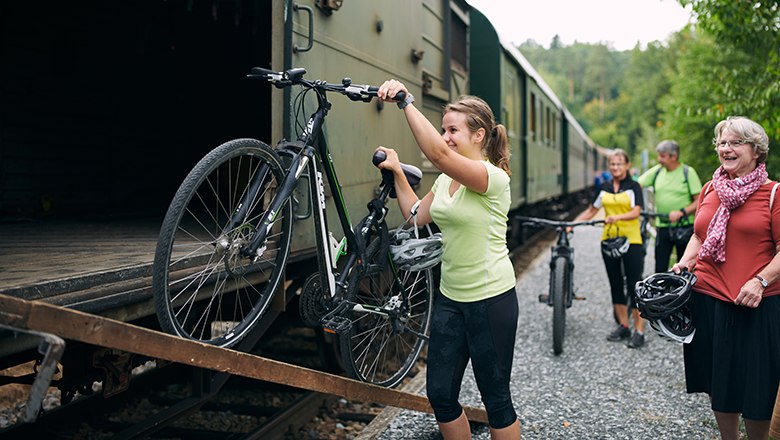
(644, 226)
(225, 241)
(561, 288)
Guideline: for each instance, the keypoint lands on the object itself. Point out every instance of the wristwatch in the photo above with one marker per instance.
(408, 100)
(685, 214)
(762, 280)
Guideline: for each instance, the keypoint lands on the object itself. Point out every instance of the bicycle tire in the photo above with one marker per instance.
(559, 289)
(204, 289)
(379, 349)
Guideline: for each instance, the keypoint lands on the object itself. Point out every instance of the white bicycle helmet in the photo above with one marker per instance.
(677, 327)
(615, 247)
(412, 253)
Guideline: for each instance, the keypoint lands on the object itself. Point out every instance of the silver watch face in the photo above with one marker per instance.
(763, 282)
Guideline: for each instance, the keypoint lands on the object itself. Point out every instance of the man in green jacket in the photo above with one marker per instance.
(676, 187)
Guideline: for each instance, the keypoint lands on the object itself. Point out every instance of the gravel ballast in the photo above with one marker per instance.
(595, 389)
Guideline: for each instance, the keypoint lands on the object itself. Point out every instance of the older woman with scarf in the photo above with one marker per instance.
(735, 353)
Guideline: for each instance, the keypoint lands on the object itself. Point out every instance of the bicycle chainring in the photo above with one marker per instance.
(313, 304)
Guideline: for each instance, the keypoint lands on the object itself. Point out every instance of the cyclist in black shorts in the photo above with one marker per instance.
(621, 244)
(475, 314)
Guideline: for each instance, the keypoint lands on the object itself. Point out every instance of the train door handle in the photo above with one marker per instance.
(299, 49)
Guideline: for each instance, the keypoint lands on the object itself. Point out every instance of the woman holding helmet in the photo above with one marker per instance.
(475, 316)
(621, 243)
(734, 356)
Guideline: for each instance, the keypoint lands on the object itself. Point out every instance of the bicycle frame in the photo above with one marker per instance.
(305, 152)
(560, 295)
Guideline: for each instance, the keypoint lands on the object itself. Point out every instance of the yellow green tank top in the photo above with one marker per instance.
(475, 260)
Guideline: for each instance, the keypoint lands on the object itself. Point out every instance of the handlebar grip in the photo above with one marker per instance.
(379, 157)
(400, 96)
(261, 71)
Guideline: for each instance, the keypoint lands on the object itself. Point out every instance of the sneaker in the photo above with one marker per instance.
(636, 340)
(619, 334)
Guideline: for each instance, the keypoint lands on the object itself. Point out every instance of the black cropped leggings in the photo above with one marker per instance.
(483, 331)
(663, 249)
(631, 264)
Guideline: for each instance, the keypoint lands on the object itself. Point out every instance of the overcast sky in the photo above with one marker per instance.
(620, 23)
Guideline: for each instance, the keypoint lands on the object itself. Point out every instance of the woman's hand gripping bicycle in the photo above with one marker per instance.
(225, 242)
(561, 288)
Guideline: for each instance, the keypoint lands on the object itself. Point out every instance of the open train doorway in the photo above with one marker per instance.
(106, 105)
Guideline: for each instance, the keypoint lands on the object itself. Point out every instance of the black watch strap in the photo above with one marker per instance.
(408, 100)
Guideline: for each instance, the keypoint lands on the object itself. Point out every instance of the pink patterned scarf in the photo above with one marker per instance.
(732, 194)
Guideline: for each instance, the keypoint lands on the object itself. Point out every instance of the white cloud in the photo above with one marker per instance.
(620, 23)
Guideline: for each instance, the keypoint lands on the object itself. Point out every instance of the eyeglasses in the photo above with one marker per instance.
(734, 143)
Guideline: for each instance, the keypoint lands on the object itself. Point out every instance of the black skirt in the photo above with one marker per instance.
(735, 355)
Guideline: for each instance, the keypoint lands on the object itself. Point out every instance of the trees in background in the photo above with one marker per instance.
(728, 64)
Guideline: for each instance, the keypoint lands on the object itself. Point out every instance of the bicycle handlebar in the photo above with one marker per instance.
(355, 92)
(556, 223)
(649, 215)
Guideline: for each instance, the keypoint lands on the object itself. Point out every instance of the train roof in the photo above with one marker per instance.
(514, 52)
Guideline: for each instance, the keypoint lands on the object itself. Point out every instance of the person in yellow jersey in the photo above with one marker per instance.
(621, 244)
(475, 314)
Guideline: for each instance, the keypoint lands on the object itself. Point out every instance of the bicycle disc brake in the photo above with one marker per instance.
(235, 263)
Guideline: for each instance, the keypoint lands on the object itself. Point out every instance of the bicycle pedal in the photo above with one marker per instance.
(544, 298)
(336, 324)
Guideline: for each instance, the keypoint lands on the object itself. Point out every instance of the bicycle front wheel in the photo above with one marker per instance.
(205, 287)
(559, 289)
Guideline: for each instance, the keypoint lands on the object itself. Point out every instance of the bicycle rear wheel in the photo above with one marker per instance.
(381, 348)
(205, 289)
(559, 289)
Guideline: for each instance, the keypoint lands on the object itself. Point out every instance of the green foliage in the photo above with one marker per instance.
(728, 63)
(741, 40)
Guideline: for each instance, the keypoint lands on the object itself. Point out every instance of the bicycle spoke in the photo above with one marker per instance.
(206, 287)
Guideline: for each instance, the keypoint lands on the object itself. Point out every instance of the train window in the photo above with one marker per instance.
(509, 110)
(547, 124)
(532, 116)
(459, 40)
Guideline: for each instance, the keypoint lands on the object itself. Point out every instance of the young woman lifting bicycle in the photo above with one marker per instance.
(475, 316)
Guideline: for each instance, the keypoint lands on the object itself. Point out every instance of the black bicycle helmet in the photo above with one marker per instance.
(662, 299)
(615, 247)
(662, 294)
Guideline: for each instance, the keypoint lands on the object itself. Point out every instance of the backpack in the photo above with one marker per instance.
(685, 179)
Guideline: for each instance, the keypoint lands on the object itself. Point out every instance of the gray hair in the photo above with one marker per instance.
(747, 130)
(668, 147)
(619, 152)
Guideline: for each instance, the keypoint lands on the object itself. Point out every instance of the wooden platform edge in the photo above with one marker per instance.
(104, 332)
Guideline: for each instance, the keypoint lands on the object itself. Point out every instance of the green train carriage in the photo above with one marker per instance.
(553, 159)
(107, 108)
